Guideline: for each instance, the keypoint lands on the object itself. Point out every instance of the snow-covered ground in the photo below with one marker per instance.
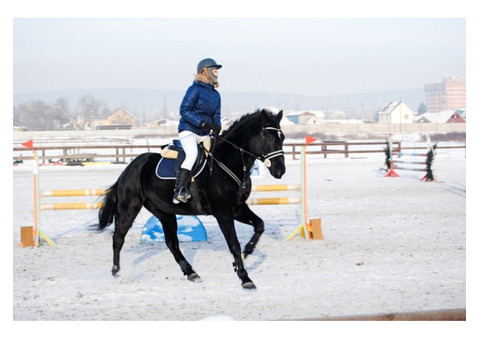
(390, 245)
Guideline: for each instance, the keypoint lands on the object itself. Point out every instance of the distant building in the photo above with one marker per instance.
(344, 121)
(452, 116)
(306, 117)
(162, 122)
(449, 94)
(335, 114)
(119, 120)
(395, 113)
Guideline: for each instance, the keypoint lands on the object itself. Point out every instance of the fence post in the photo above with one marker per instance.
(64, 156)
(346, 149)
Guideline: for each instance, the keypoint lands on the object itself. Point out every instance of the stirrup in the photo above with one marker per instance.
(182, 196)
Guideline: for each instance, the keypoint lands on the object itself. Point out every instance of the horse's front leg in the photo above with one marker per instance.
(245, 215)
(225, 221)
(170, 228)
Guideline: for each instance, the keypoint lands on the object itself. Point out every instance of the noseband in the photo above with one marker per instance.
(266, 158)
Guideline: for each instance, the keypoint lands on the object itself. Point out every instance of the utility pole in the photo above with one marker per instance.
(164, 114)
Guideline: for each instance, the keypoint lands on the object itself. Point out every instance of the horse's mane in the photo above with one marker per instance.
(247, 120)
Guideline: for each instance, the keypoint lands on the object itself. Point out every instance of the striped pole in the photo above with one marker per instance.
(81, 192)
(409, 162)
(71, 206)
(98, 192)
(410, 169)
(414, 154)
(273, 200)
(304, 193)
(276, 187)
(304, 228)
(36, 201)
(37, 232)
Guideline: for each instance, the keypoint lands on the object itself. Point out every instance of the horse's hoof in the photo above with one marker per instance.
(249, 285)
(115, 270)
(194, 277)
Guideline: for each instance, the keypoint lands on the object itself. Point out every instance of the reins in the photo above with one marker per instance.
(265, 158)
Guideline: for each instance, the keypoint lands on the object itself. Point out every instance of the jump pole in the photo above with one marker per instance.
(37, 233)
(304, 228)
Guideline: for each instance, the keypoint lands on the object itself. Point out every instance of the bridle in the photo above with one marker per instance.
(265, 158)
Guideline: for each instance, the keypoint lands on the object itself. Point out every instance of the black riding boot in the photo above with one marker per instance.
(181, 193)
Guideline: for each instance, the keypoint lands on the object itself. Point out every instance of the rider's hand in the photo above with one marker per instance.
(206, 127)
(216, 129)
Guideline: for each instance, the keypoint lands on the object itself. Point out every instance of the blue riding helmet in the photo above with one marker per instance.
(208, 62)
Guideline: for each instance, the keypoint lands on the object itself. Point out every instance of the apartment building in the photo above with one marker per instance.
(448, 94)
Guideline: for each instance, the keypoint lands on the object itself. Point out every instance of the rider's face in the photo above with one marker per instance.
(215, 72)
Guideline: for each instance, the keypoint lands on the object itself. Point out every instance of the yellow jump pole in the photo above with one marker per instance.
(77, 192)
(71, 206)
(273, 200)
(276, 187)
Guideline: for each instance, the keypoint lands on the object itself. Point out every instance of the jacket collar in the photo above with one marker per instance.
(203, 80)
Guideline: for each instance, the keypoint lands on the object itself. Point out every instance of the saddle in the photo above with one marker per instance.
(173, 156)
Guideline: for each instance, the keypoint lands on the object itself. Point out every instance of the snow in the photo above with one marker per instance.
(390, 245)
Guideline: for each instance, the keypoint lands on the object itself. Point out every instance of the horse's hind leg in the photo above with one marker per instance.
(118, 241)
(245, 215)
(123, 222)
(170, 227)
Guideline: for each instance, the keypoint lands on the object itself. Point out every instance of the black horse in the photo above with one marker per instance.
(221, 190)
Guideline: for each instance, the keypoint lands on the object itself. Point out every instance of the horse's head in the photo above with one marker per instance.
(258, 135)
(271, 143)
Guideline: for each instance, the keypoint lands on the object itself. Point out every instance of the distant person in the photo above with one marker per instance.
(200, 115)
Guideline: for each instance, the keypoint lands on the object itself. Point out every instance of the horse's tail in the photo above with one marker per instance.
(128, 182)
(107, 212)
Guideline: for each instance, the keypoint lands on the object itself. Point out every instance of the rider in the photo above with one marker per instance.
(200, 115)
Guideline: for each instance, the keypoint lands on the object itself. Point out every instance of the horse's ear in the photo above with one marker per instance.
(263, 116)
(279, 116)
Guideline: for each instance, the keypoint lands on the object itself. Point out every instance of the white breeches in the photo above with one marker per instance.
(189, 141)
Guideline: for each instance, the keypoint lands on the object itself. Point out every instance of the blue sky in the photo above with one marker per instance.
(311, 56)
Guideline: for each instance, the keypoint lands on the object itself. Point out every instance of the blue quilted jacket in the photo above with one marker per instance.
(200, 104)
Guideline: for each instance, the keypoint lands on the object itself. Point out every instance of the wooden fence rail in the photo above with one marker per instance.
(433, 315)
(122, 153)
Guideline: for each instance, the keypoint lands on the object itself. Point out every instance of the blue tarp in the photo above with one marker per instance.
(190, 229)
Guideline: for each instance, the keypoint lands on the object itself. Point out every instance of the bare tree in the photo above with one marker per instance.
(34, 115)
(89, 109)
(37, 115)
(60, 114)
